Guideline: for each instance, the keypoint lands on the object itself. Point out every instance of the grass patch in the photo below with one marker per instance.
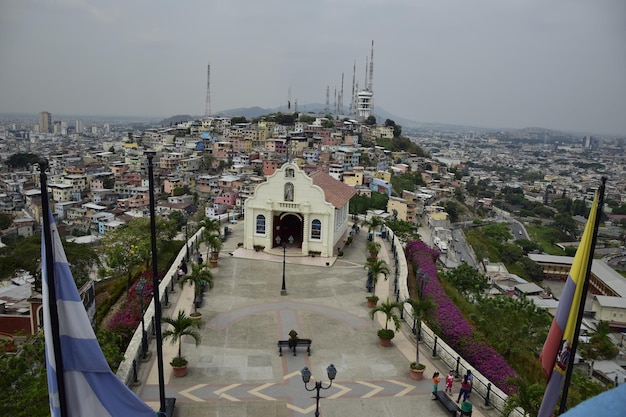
(547, 237)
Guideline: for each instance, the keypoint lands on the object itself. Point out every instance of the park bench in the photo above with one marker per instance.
(293, 344)
(448, 403)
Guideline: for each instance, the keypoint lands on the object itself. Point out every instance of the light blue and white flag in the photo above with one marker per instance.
(91, 389)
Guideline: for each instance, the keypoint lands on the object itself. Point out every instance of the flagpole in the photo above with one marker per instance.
(155, 285)
(579, 317)
(54, 314)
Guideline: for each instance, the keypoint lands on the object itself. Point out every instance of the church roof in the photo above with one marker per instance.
(335, 192)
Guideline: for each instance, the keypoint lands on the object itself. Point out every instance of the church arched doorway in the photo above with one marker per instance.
(288, 225)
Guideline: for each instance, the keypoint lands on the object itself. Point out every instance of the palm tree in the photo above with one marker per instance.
(214, 245)
(373, 248)
(211, 229)
(422, 309)
(387, 308)
(377, 267)
(199, 276)
(181, 326)
(374, 223)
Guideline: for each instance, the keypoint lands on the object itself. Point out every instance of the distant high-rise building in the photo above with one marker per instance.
(80, 127)
(45, 122)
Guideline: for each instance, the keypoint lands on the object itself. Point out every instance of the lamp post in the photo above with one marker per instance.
(283, 288)
(144, 339)
(306, 377)
(423, 280)
(187, 236)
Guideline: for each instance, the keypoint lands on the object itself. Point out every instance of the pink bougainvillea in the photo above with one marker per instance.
(455, 330)
(127, 318)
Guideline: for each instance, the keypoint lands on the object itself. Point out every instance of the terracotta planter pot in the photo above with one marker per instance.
(416, 374)
(213, 262)
(371, 304)
(384, 342)
(179, 371)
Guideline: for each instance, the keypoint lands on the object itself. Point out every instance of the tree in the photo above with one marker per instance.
(238, 119)
(423, 309)
(125, 251)
(5, 221)
(182, 326)
(376, 267)
(527, 397)
(387, 308)
(467, 280)
(370, 121)
(403, 230)
(566, 224)
(23, 380)
(199, 276)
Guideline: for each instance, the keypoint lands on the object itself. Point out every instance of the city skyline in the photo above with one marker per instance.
(527, 64)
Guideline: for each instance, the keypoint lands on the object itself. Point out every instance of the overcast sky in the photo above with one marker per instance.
(495, 63)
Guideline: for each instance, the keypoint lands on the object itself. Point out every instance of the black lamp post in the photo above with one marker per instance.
(306, 377)
(283, 288)
(144, 339)
(423, 277)
(187, 237)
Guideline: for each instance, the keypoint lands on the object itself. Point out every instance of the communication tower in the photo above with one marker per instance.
(207, 106)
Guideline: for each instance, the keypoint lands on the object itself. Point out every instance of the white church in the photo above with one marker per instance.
(308, 213)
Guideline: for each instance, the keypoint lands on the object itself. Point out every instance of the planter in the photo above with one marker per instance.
(196, 316)
(385, 336)
(179, 371)
(384, 342)
(416, 374)
(371, 301)
(213, 262)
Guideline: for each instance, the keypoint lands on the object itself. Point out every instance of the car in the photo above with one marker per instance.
(519, 232)
(456, 239)
(233, 221)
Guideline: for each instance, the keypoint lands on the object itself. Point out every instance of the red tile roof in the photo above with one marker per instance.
(335, 192)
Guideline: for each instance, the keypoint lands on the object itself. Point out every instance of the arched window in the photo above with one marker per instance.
(316, 229)
(260, 224)
(289, 192)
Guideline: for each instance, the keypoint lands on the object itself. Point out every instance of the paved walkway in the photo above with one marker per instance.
(237, 371)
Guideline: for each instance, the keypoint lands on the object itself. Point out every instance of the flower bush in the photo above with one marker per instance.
(455, 330)
(127, 318)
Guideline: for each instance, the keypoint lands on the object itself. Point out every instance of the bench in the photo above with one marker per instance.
(293, 344)
(448, 403)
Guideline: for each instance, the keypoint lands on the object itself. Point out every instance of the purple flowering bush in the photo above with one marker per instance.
(127, 318)
(455, 330)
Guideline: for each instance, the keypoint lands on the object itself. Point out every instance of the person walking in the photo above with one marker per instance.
(470, 379)
(435, 385)
(465, 389)
(449, 382)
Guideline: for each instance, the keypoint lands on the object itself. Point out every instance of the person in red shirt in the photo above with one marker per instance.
(449, 382)
(465, 389)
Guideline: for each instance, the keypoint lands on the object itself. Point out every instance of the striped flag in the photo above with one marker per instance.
(90, 388)
(557, 347)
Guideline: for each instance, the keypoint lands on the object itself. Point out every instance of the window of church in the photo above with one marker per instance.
(316, 229)
(260, 224)
(289, 173)
(289, 192)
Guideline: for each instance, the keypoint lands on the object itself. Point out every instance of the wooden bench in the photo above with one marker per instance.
(293, 344)
(448, 403)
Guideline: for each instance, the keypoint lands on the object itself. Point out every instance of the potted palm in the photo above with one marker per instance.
(422, 309)
(387, 308)
(215, 245)
(200, 277)
(375, 267)
(182, 325)
(373, 248)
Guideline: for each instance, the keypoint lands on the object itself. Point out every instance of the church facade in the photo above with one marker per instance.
(308, 213)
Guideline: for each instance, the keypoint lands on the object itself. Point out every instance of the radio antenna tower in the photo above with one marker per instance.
(353, 98)
(340, 104)
(207, 106)
(327, 99)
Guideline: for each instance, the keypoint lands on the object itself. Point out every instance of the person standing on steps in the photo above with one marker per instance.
(465, 389)
(435, 384)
